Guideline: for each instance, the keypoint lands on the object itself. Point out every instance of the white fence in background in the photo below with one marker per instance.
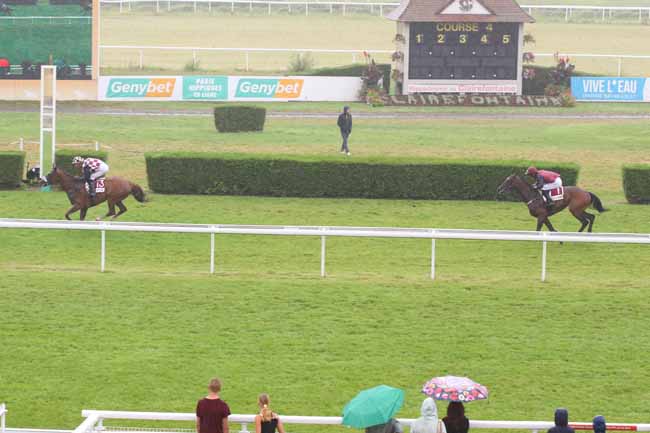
(356, 54)
(323, 232)
(94, 422)
(598, 13)
(3, 411)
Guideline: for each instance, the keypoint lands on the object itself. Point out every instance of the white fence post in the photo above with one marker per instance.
(244, 428)
(543, 259)
(21, 144)
(322, 256)
(3, 410)
(157, 6)
(433, 256)
(246, 55)
(620, 66)
(103, 256)
(97, 145)
(212, 253)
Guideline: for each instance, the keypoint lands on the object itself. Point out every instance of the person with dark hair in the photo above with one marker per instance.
(599, 424)
(561, 422)
(456, 421)
(345, 125)
(212, 412)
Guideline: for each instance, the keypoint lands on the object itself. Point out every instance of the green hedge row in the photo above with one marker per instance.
(266, 175)
(63, 158)
(543, 78)
(12, 165)
(354, 70)
(636, 183)
(239, 118)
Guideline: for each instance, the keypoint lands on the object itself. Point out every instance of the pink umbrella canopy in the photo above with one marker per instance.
(454, 388)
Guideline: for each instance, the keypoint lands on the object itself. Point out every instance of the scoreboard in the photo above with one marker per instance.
(463, 51)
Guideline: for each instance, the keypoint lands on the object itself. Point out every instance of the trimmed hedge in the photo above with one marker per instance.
(543, 78)
(355, 70)
(239, 118)
(63, 158)
(12, 166)
(636, 183)
(280, 176)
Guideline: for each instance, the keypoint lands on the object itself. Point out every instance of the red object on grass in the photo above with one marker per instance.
(4, 63)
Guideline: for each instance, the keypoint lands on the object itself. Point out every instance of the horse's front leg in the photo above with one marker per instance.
(70, 211)
(540, 221)
(82, 214)
(548, 224)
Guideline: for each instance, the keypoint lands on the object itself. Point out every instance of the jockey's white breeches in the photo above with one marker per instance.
(552, 185)
(101, 171)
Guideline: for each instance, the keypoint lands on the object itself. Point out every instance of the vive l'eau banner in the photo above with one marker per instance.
(611, 89)
(228, 88)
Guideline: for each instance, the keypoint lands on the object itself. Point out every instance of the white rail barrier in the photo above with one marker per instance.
(3, 411)
(323, 232)
(603, 12)
(534, 426)
(246, 51)
(195, 50)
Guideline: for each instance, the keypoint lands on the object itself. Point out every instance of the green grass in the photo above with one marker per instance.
(360, 32)
(148, 334)
(600, 147)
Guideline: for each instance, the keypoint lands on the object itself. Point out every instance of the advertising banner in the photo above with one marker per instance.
(229, 88)
(611, 89)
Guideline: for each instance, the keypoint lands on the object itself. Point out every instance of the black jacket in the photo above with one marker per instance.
(561, 422)
(345, 122)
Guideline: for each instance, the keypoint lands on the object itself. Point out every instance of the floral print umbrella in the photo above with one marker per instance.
(454, 388)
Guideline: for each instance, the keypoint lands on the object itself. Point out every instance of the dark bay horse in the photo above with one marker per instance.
(117, 189)
(576, 199)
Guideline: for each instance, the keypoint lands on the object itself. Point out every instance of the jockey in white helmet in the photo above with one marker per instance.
(92, 169)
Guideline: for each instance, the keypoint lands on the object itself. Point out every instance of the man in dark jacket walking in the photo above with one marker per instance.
(345, 125)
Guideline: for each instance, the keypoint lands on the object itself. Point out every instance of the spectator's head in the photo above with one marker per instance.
(429, 409)
(265, 411)
(346, 109)
(214, 385)
(561, 417)
(455, 410)
(599, 424)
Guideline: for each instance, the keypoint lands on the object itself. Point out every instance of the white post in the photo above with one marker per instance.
(244, 428)
(212, 253)
(3, 410)
(141, 58)
(246, 52)
(121, 6)
(97, 145)
(210, 6)
(103, 256)
(269, 8)
(232, 7)
(543, 261)
(433, 257)
(343, 9)
(194, 7)
(129, 5)
(322, 256)
(640, 15)
(331, 9)
(620, 66)
(194, 57)
(157, 6)
(306, 9)
(381, 10)
(169, 5)
(603, 14)
(250, 6)
(566, 14)
(21, 144)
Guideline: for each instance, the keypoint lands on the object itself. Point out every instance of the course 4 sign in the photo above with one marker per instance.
(229, 88)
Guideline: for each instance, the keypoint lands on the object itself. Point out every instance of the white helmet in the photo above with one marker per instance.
(77, 160)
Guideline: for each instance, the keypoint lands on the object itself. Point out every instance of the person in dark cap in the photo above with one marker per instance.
(561, 422)
(599, 424)
(345, 125)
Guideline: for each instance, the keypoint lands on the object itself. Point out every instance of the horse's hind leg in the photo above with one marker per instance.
(82, 214)
(548, 224)
(111, 209)
(591, 218)
(583, 218)
(122, 208)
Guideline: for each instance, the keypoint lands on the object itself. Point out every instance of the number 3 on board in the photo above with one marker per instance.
(463, 39)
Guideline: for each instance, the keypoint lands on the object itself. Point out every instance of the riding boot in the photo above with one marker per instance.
(91, 190)
(547, 197)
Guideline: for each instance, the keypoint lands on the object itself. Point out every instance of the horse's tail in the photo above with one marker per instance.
(137, 193)
(597, 204)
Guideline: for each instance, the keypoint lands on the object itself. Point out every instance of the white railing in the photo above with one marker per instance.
(94, 419)
(618, 58)
(246, 51)
(3, 411)
(323, 232)
(373, 7)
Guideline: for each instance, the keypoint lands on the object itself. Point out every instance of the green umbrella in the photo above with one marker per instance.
(373, 406)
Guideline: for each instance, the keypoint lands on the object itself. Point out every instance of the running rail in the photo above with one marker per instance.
(324, 231)
(533, 426)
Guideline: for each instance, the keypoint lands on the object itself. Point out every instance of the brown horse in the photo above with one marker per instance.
(576, 199)
(117, 189)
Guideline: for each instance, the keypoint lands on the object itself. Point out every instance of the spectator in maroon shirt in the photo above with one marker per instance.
(212, 412)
